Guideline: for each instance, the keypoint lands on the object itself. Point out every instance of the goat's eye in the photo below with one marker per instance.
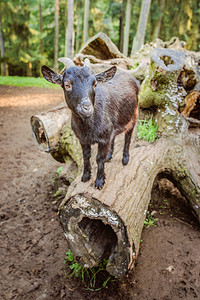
(94, 85)
(68, 86)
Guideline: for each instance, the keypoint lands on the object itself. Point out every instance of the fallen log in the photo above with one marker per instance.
(101, 47)
(108, 223)
(52, 133)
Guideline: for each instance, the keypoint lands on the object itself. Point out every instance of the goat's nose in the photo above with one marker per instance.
(86, 106)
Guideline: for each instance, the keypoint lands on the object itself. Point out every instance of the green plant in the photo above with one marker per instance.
(88, 275)
(59, 170)
(150, 220)
(147, 130)
(134, 67)
(57, 193)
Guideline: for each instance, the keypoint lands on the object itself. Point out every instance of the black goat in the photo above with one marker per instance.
(102, 106)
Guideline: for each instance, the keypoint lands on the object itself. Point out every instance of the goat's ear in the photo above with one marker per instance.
(106, 75)
(51, 76)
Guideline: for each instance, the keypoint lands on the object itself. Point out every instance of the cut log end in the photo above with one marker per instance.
(39, 134)
(94, 233)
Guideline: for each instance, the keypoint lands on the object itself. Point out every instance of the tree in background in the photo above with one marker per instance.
(56, 35)
(41, 27)
(86, 20)
(127, 27)
(159, 19)
(4, 72)
(121, 25)
(138, 41)
(27, 28)
(69, 47)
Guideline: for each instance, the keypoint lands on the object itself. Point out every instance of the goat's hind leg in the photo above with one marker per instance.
(128, 135)
(109, 156)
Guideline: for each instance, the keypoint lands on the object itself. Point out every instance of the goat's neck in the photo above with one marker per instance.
(83, 124)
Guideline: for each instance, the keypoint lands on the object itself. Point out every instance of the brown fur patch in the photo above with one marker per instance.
(132, 122)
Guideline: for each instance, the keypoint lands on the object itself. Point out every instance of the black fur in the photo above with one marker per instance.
(99, 112)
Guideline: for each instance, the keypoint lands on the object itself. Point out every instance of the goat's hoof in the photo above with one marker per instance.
(85, 177)
(109, 157)
(125, 160)
(99, 183)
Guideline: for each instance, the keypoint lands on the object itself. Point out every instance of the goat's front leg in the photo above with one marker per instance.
(103, 150)
(86, 159)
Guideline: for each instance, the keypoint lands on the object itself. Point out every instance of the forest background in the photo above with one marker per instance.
(37, 32)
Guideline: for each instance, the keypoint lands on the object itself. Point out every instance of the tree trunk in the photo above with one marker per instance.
(157, 25)
(121, 26)
(56, 35)
(138, 41)
(127, 27)
(122, 204)
(86, 20)
(78, 33)
(41, 28)
(108, 223)
(4, 72)
(69, 48)
(52, 134)
(29, 69)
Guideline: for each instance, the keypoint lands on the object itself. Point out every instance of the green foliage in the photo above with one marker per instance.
(23, 37)
(26, 81)
(150, 220)
(59, 170)
(89, 276)
(147, 130)
(135, 66)
(57, 193)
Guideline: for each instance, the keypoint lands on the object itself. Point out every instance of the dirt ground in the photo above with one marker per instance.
(32, 243)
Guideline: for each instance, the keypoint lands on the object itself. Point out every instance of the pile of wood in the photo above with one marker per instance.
(108, 223)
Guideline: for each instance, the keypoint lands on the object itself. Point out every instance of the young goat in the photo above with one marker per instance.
(102, 106)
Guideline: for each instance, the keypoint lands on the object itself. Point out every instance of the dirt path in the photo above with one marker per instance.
(32, 244)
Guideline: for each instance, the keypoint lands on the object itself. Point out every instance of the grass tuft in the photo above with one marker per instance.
(150, 220)
(89, 276)
(147, 130)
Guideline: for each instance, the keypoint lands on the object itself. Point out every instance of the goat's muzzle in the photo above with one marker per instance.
(85, 108)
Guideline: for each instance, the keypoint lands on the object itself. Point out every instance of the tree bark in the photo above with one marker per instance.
(78, 32)
(127, 27)
(4, 70)
(86, 20)
(121, 26)
(123, 203)
(69, 47)
(138, 41)
(56, 32)
(108, 223)
(41, 27)
(101, 47)
(52, 133)
(157, 25)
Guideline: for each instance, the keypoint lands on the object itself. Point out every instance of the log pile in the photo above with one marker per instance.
(108, 223)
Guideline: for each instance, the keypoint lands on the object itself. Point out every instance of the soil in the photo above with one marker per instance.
(32, 243)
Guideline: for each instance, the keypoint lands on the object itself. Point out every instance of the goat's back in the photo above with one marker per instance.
(118, 98)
